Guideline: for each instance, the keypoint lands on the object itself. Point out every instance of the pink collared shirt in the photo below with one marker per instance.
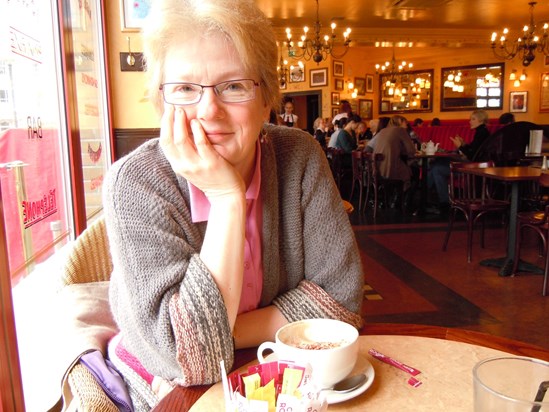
(252, 284)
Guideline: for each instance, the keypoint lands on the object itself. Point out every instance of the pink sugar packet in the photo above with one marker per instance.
(394, 362)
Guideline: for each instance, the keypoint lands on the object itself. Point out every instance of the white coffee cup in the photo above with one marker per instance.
(332, 362)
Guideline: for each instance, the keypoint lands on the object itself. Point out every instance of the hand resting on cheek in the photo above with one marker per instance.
(192, 156)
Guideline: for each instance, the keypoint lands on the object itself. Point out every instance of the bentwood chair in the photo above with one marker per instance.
(88, 261)
(373, 178)
(538, 221)
(359, 175)
(471, 195)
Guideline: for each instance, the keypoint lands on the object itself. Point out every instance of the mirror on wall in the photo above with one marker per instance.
(406, 92)
(472, 87)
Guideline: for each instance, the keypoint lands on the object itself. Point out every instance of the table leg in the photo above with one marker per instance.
(506, 263)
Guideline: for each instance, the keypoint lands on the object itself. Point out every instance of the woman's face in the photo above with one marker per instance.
(232, 128)
(474, 121)
(289, 108)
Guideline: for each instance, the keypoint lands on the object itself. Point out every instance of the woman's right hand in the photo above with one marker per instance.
(458, 141)
(191, 155)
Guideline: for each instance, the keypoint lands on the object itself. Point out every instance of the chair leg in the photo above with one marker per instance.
(545, 272)
(451, 218)
(470, 223)
(360, 195)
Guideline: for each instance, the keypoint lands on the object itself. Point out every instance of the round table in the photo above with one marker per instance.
(445, 356)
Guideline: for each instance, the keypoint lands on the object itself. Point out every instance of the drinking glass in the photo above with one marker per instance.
(511, 384)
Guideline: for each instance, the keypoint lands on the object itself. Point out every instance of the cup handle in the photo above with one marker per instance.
(262, 348)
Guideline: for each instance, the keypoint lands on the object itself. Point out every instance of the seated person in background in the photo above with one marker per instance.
(320, 131)
(418, 122)
(329, 126)
(506, 118)
(440, 168)
(345, 110)
(372, 128)
(435, 122)
(361, 132)
(382, 123)
(215, 243)
(413, 135)
(346, 139)
(339, 125)
(397, 147)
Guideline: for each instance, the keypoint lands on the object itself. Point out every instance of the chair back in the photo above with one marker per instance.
(357, 158)
(335, 157)
(466, 186)
(90, 259)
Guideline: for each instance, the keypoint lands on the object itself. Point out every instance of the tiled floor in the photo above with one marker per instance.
(414, 281)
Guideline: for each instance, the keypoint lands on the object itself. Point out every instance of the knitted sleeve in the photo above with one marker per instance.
(163, 298)
(318, 251)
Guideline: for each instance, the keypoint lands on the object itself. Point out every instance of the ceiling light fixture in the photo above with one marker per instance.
(524, 46)
(392, 69)
(319, 47)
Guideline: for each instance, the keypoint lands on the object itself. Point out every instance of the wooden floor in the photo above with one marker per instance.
(411, 280)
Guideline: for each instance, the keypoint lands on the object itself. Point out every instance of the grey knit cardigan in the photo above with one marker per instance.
(168, 308)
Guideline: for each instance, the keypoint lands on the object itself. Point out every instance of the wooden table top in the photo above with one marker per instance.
(507, 173)
(183, 399)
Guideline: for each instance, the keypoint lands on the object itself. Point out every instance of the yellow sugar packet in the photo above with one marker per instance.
(251, 383)
(291, 380)
(265, 393)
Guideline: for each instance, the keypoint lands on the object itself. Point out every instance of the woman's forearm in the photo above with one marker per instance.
(223, 249)
(253, 328)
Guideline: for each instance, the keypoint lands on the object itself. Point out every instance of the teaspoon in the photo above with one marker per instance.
(349, 384)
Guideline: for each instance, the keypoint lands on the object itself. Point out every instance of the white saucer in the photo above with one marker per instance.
(362, 366)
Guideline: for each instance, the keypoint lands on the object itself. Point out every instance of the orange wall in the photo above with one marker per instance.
(132, 110)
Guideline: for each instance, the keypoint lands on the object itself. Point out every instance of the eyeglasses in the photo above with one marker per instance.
(232, 91)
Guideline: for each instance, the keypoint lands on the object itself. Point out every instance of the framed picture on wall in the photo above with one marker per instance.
(518, 102)
(318, 77)
(365, 109)
(335, 111)
(385, 105)
(369, 83)
(339, 84)
(335, 99)
(133, 13)
(360, 85)
(338, 69)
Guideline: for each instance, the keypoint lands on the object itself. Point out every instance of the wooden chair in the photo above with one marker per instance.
(371, 167)
(538, 221)
(88, 261)
(335, 157)
(359, 175)
(470, 195)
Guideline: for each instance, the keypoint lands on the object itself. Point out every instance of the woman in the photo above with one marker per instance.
(223, 230)
(397, 147)
(288, 117)
(439, 172)
(320, 131)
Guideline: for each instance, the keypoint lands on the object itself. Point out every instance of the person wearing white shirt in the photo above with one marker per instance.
(288, 117)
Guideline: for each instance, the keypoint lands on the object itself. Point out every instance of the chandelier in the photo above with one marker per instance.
(319, 47)
(282, 70)
(293, 73)
(392, 68)
(524, 46)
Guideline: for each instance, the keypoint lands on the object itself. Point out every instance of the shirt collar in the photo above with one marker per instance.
(200, 206)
